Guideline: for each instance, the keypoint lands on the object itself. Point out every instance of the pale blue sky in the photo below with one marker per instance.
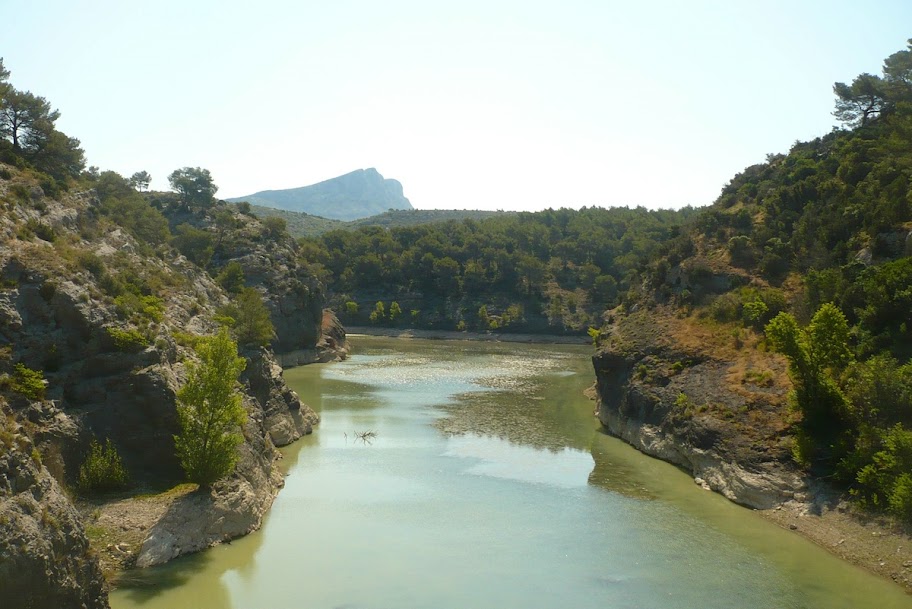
(488, 105)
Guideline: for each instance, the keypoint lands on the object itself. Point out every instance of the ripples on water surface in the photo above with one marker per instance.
(489, 484)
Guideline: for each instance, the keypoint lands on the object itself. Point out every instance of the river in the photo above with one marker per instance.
(487, 483)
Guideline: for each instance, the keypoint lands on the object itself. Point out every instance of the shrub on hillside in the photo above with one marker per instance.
(102, 469)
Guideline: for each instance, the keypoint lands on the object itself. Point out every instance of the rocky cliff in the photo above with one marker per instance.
(96, 328)
(359, 194)
(674, 391)
(269, 262)
(45, 560)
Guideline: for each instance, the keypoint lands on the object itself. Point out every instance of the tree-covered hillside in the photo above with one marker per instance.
(551, 271)
(810, 251)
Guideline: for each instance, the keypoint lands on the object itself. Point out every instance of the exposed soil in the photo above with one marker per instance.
(116, 528)
(872, 543)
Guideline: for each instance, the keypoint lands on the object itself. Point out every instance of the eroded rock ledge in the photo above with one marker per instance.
(699, 409)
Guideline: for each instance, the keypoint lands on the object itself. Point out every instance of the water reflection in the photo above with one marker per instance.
(490, 484)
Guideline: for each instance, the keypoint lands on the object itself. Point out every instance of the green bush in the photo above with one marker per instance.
(128, 340)
(754, 313)
(231, 278)
(275, 226)
(131, 305)
(41, 230)
(92, 263)
(102, 469)
(21, 192)
(901, 497)
(28, 382)
(395, 313)
(885, 483)
(196, 244)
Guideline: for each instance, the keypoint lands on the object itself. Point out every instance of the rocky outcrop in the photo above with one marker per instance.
(689, 408)
(359, 194)
(285, 418)
(110, 325)
(270, 264)
(234, 506)
(44, 553)
(332, 347)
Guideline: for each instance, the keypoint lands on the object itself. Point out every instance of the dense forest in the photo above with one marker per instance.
(554, 271)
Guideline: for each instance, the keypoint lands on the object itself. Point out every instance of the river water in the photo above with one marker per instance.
(488, 484)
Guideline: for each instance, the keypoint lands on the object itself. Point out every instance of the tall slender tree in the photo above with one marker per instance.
(210, 412)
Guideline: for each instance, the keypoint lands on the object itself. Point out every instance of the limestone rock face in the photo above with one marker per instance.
(44, 552)
(682, 407)
(285, 418)
(270, 265)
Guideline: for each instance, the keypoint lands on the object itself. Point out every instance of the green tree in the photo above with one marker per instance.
(210, 411)
(483, 318)
(194, 186)
(26, 120)
(4, 76)
(127, 208)
(605, 289)
(275, 226)
(231, 278)
(141, 180)
(863, 100)
(194, 243)
(379, 313)
(395, 312)
(250, 319)
(58, 156)
(817, 355)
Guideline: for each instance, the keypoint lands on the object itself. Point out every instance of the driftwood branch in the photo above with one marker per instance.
(366, 437)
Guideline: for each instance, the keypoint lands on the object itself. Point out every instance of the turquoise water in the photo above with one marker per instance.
(488, 483)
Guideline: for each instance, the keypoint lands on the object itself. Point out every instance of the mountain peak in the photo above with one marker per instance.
(357, 194)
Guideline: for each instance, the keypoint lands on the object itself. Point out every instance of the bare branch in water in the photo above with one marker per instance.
(366, 436)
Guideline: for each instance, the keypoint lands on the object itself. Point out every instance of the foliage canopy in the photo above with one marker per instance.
(210, 411)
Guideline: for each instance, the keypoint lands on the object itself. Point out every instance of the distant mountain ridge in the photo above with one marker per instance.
(359, 194)
(301, 224)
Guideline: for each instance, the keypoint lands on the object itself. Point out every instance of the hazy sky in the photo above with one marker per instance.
(488, 105)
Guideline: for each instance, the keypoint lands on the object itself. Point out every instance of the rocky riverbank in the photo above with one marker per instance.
(676, 390)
